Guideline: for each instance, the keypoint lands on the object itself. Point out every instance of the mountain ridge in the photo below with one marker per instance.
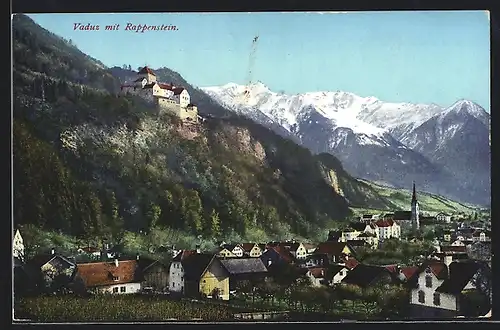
(337, 122)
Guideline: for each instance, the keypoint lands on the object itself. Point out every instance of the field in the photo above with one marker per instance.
(117, 308)
(429, 203)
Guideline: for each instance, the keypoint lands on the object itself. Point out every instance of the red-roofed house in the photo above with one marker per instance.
(388, 228)
(316, 275)
(111, 277)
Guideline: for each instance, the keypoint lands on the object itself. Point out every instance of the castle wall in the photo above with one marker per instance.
(189, 113)
(168, 105)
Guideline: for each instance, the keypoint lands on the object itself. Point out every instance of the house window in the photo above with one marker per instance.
(173, 284)
(428, 281)
(123, 289)
(204, 281)
(116, 278)
(182, 278)
(115, 290)
(437, 299)
(421, 297)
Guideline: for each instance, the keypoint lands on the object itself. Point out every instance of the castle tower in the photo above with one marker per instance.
(415, 221)
(148, 74)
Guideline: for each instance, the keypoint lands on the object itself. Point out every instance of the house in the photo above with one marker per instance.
(370, 238)
(240, 269)
(366, 276)
(235, 250)
(176, 271)
(154, 274)
(252, 250)
(276, 255)
(51, 272)
(18, 246)
(336, 251)
(438, 286)
(310, 248)
(336, 273)
(117, 277)
(447, 236)
(349, 233)
(479, 236)
(388, 229)
(443, 217)
(213, 280)
(193, 267)
(317, 276)
(315, 260)
(298, 250)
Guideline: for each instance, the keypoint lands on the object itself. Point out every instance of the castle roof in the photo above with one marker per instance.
(146, 70)
(178, 90)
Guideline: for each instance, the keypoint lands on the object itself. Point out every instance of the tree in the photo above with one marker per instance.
(214, 224)
(153, 214)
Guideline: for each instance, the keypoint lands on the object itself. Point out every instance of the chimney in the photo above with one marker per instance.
(116, 262)
(198, 248)
(137, 256)
(323, 272)
(53, 251)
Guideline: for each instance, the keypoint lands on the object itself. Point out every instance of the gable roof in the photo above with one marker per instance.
(331, 248)
(139, 79)
(41, 259)
(183, 255)
(333, 270)
(351, 263)
(309, 246)
(283, 252)
(438, 268)
(145, 70)
(460, 274)
(247, 247)
(408, 272)
(178, 90)
(101, 273)
(318, 272)
(230, 247)
(244, 266)
(195, 264)
(363, 275)
(384, 222)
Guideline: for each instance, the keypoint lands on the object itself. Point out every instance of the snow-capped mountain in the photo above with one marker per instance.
(375, 140)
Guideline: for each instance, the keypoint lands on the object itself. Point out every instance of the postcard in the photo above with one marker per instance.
(250, 167)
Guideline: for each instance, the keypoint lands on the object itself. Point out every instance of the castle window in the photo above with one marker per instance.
(421, 297)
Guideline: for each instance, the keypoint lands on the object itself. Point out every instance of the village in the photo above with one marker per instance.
(457, 262)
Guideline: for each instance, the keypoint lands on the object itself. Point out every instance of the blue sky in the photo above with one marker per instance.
(418, 57)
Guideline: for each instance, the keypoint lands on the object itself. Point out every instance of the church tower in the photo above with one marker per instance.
(415, 221)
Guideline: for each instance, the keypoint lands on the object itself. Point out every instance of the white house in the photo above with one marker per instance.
(298, 250)
(388, 229)
(339, 272)
(236, 249)
(117, 277)
(443, 217)
(437, 287)
(317, 276)
(176, 278)
(18, 246)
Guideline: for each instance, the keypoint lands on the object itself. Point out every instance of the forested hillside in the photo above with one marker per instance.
(90, 163)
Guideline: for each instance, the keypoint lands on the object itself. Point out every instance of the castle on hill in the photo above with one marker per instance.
(167, 97)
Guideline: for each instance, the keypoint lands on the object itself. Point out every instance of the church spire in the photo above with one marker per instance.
(414, 196)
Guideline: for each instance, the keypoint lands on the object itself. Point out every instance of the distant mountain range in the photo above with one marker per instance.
(445, 150)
